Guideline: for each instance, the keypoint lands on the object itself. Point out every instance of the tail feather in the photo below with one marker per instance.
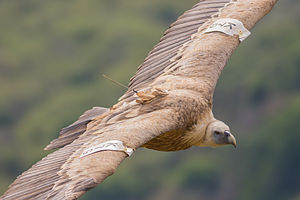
(68, 134)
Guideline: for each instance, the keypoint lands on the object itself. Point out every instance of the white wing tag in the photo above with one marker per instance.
(230, 27)
(112, 145)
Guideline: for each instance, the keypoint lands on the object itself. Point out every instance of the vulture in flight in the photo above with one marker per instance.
(168, 105)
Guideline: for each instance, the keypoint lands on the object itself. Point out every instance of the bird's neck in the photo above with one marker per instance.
(196, 135)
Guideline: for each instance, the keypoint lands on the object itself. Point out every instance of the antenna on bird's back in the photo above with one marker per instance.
(116, 82)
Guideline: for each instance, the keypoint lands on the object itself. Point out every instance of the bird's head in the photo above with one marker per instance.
(218, 133)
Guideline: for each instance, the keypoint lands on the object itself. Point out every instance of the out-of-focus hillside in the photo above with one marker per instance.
(52, 55)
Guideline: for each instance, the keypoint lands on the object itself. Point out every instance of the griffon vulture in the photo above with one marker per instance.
(168, 105)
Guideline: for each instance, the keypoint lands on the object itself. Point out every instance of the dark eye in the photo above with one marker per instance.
(217, 133)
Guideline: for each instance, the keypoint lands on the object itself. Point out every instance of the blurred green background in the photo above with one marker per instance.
(52, 55)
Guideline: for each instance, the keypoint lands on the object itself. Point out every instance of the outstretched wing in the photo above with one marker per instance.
(186, 57)
(63, 174)
(180, 32)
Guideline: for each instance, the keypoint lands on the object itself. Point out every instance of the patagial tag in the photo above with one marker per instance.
(230, 27)
(112, 145)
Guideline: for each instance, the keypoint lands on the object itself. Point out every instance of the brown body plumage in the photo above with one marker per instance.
(167, 107)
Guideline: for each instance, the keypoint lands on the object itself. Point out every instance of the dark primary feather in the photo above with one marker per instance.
(38, 181)
(179, 33)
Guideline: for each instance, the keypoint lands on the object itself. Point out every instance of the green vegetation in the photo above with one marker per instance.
(52, 55)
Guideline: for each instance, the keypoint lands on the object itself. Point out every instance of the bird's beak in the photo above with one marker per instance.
(230, 138)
